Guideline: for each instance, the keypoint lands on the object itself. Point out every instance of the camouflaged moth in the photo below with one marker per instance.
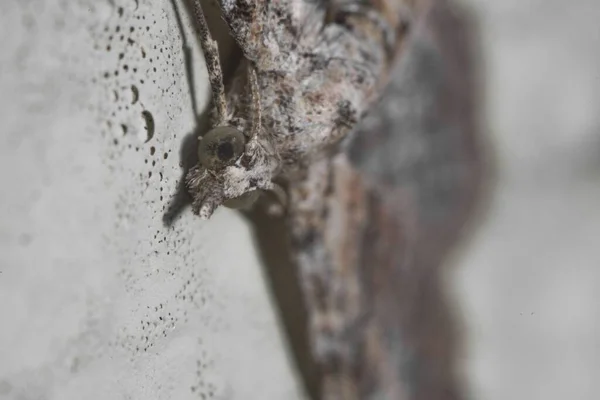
(312, 69)
(376, 172)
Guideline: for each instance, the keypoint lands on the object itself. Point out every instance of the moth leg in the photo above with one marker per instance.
(275, 201)
(279, 194)
(256, 107)
(213, 65)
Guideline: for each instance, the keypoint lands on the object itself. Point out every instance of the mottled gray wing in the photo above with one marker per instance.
(379, 221)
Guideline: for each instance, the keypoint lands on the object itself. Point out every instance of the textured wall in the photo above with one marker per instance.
(98, 298)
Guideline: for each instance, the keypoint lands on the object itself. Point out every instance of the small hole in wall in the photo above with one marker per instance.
(149, 125)
(135, 94)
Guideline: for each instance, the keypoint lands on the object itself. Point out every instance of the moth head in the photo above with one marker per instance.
(231, 171)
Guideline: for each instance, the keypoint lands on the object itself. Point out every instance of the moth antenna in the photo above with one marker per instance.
(213, 65)
(256, 108)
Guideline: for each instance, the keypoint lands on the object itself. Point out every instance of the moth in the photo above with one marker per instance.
(312, 116)
(312, 70)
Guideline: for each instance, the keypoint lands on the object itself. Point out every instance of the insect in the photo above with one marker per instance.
(312, 70)
(296, 121)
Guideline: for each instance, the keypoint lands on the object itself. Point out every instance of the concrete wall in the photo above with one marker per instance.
(98, 298)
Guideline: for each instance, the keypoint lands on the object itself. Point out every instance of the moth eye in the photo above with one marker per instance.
(220, 147)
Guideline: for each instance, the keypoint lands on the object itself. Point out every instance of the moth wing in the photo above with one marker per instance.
(371, 228)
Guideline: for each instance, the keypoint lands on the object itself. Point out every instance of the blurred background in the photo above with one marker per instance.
(529, 279)
(99, 299)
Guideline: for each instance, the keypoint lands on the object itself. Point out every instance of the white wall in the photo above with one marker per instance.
(98, 299)
(530, 280)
